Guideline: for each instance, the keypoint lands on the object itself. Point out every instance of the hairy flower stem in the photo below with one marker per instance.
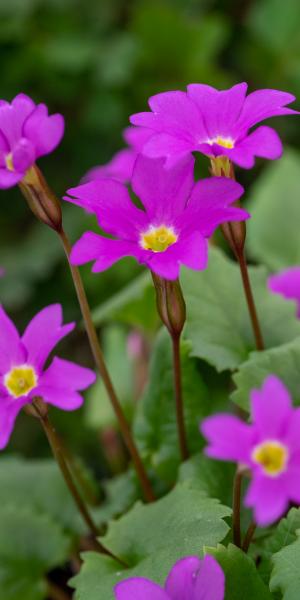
(250, 301)
(236, 517)
(235, 234)
(172, 311)
(249, 535)
(40, 410)
(99, 360)
(178, 398)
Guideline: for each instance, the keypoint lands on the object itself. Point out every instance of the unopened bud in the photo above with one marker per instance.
(37, 408)
(170, 304)
(40, 199)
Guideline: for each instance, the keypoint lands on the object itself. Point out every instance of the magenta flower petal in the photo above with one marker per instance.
(229, 438)
(43, 333)
(263, 142)
(178, 112)
(9, 178)
(287, 283)
(192, 251)
(268, 497)
(44, 131)
(111, 202)
(213, 122)
(271, 408)
(208, 205)
(157, 188)
(166, 145)
(104, 251)
(262, 104)
(8, 414)
(171, 231)
(210, 581)
(269, 447)
(165, 264)
(26, 132)
(221, 109)
(138, 588)
(21, 368)
(60, 383)
(189, 579)
(180, 583)
(136, 137)
(11, 349)
(13, 116)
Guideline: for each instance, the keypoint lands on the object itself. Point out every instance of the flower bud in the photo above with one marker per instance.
(170, 304)
(40, 199)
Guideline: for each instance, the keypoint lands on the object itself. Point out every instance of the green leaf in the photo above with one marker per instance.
(150, 538)
(38, 485)
(155, 426)
(284, 534)
(242, 579)
(30, 546)
(283, 361)
(212, 477)
(121, 492)
(134, 305)
(218, 323)
(273, 231)
(286, 572)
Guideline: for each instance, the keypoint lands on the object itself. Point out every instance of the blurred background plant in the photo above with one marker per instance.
(97, 62)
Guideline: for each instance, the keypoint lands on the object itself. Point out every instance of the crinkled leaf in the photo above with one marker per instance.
(218, 323)
(242, 577)
(284, 534)
(150, 538)
(286, 572)
(212, 477)
(283, 361)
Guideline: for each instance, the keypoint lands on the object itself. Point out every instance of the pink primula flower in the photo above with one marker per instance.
(214, 122)
(26, 133)
(121, 165)
(173, 228)
(269, 448)
(23, 375)
(287, 283)
(189, 579)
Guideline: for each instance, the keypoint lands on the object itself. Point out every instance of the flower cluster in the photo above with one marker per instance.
(190, 579)
(26, 133)
(214, 123)
(269, 447)
(23, 375)
(173, 228)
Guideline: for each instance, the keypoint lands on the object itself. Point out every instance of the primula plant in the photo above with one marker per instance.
(178, 523)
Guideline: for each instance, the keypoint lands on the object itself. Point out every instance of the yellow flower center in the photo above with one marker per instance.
(272, 456)
(221, 141)
(158, 239)
(9, 162)
(20, 380)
